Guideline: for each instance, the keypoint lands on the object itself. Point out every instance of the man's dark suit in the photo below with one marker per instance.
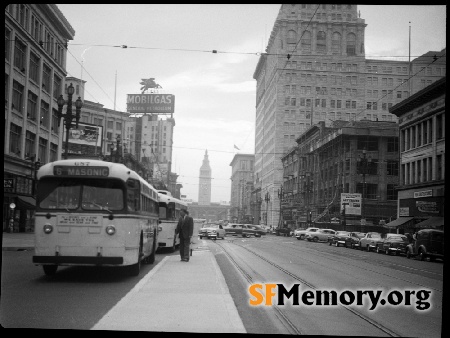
(185, 228)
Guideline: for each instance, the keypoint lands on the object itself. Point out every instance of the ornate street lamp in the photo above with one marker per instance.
(267, 199)
(68, 116)
(364, 162)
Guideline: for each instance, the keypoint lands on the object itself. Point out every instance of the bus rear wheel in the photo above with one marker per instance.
(50, 270)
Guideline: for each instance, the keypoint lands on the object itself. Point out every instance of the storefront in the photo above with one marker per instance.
(19, 203)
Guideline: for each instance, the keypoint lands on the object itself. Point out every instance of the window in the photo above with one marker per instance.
(42, 152)
(34, 67)
(46, 72)
(392, 168)
(351, 44)
(53, 152)
(392, 144)
(110, 124)
(321, 42)
(17, 98)
(392, 194)
(7, 44)
(306, 42)
(439, 127)
(32, 106)
(30, 140)
(118, 125)
(45, 114)
(14, 139)
(20, 51)
(56, 87)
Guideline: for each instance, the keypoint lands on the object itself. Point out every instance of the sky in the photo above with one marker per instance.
(215, 93)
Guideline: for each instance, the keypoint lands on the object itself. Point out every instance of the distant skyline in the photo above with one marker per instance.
(215, 93)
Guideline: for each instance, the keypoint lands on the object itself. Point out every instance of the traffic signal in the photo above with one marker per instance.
(309, 216)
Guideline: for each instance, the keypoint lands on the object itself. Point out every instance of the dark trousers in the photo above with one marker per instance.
(184, 247)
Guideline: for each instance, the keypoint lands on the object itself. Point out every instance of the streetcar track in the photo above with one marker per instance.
(374, 323)
(330, 257)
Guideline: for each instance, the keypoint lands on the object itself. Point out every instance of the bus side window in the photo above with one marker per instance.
(133, 194)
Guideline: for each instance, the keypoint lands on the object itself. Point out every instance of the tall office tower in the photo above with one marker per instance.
(204, 187)
(315, 69)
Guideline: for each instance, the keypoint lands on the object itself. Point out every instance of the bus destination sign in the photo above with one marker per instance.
(59, 170)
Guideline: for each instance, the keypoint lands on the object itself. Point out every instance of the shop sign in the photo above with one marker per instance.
(424, 193)
(8, 184)
(428, 207)
(403, 211)
(352, 203)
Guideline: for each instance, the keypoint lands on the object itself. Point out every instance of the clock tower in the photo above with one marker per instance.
(204, 190)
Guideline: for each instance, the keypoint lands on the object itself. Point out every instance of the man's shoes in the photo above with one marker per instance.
(182, 260)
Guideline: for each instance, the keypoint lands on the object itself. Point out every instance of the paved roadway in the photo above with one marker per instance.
(78, 298)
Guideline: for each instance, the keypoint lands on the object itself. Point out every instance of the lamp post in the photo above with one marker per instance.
(267, 199)
(68, 116)
(363, 161)
(280, 197)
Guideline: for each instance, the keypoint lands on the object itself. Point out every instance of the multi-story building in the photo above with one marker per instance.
(421, 189)
(349, 157)
(315, 69)
(36, 37)
(204, 186)
(241, 188)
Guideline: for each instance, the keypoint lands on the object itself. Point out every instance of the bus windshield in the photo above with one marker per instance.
(87, 194)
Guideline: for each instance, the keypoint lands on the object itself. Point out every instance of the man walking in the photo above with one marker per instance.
(185, 228)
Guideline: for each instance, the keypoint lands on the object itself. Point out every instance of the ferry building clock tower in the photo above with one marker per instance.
(204, 192)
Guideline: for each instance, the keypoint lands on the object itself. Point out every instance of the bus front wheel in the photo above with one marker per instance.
(151, 259)
(136, 268)
(50, 270)
(172, 249)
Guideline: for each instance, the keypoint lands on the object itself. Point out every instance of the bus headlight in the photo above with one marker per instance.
(110, 230)
(48, 228)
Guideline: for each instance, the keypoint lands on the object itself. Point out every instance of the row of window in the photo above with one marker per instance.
(15, 145)
(38, 31)
(303, 65)
(422, 133)
(423, 170)
(431, 70)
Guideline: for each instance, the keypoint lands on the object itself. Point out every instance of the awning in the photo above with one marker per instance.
(26, 202)
(398, 221)
(432, 222)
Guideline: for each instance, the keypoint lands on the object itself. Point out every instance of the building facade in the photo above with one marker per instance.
(204, 186)
(356, 157)
(242, 167)
(315, 69)
(36, 37)
(421, 189)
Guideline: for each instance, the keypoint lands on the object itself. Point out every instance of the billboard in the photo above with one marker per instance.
(86, 134)
(354, 203)
(151, 103)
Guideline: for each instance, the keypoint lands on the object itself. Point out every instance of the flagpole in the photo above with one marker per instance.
(409, 60)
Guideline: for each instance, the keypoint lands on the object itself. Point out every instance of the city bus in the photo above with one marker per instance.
(169, 213)
(94, 213)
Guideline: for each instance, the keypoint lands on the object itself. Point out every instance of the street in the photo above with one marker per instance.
(77, 298)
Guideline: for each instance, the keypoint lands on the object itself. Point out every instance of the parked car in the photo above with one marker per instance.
(370, 240)
(283, 231)
(339, 238)
(352, 241)
(393, 243)
(427, 243)
(300, 233)
(320, 235)
(211, 230)
(266, 228)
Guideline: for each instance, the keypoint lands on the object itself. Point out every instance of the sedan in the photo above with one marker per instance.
(214, 231)
(321, 235)
(339, 238)
(301, 233)
(393, 244)
(352, 241)
(252, 230)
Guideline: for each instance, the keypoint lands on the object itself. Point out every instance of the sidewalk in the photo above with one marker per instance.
(18, 241)
(174, 296)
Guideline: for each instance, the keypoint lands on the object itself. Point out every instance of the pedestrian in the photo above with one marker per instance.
(185, 229)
